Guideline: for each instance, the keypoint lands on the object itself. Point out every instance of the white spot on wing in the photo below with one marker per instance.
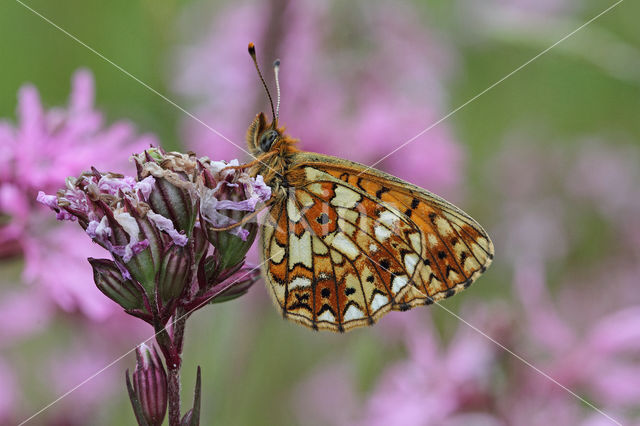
(410, 261)
(305, 199)
(373, 248)
(378, 302)
(415, 241)
(319, 247)
(300, 250)
(443, 226)
(345, 197)
(350, 215)
(327, 316)
(345, 246)
(347, 227)
(398, 283)
(292, 210)
(314, 174)
(353, 313)
(300, 282)
(433, 241)
(277, 253)
(387, 218)
(382, 233)
(317, 189)
(336, 257)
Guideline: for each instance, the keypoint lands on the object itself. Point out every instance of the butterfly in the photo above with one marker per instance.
(343, 244)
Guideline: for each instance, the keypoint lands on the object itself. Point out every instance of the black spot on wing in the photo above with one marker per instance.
(381, 191)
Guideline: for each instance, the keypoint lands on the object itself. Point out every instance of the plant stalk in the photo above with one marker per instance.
(172, 349)
(174, 396)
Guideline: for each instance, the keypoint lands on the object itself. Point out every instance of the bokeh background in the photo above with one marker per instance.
(548, 161)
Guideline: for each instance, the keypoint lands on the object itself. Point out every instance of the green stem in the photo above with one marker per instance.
(174, 396)
(174, 362)
(171, 347)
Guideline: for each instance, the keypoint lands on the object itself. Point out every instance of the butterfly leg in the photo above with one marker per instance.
(250, 164)
(245, 219)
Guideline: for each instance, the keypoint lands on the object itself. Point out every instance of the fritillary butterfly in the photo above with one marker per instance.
(343, 244)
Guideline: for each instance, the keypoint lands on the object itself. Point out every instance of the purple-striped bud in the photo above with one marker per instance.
(226, 197)
(174, 174)
(150, 385)
(125, 292)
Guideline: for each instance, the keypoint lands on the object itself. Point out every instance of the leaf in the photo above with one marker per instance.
(192, 418)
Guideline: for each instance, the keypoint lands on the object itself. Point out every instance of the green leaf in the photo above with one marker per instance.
(192, 417)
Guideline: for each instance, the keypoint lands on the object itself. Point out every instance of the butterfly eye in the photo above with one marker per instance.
(267, 139)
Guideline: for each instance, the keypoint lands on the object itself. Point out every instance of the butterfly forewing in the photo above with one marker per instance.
(348, 245)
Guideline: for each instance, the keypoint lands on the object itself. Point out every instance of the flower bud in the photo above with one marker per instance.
(240, 283)
(226, 197)
(174, 274)
(124, 292)
(115, 212)
(150, 385)
(174, 174)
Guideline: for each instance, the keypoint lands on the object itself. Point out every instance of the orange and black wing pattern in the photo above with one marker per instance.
(349, 244)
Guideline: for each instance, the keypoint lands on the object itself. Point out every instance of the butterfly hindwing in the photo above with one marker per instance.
(456, 250)
(347, 244)
(345, 260)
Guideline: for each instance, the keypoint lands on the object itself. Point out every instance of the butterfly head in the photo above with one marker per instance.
(263, 136)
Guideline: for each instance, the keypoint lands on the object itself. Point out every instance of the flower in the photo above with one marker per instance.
(48, 145)
(157, 227)
(150, 385)
(37, 153)
(8, 394)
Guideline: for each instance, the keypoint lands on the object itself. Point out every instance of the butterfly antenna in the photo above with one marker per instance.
(252, 52)
(276, 71)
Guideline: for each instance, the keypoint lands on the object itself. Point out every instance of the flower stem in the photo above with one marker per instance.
(171, 346)
(174, 396)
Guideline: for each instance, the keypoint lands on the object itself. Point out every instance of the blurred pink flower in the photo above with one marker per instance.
(608, 177)
(30, 312)
(587, 333)
(356, 110)
(38, 153)
(8, 394)
(437, 382)
(67, 367)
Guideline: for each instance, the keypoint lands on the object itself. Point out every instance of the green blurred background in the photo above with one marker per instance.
(587, 85)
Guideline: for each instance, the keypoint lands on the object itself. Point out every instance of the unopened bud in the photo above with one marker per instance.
(150, 385)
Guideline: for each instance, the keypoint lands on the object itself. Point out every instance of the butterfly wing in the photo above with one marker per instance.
(348, 244)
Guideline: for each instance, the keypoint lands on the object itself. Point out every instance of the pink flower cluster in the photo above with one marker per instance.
(37, 152)
(157, 227)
